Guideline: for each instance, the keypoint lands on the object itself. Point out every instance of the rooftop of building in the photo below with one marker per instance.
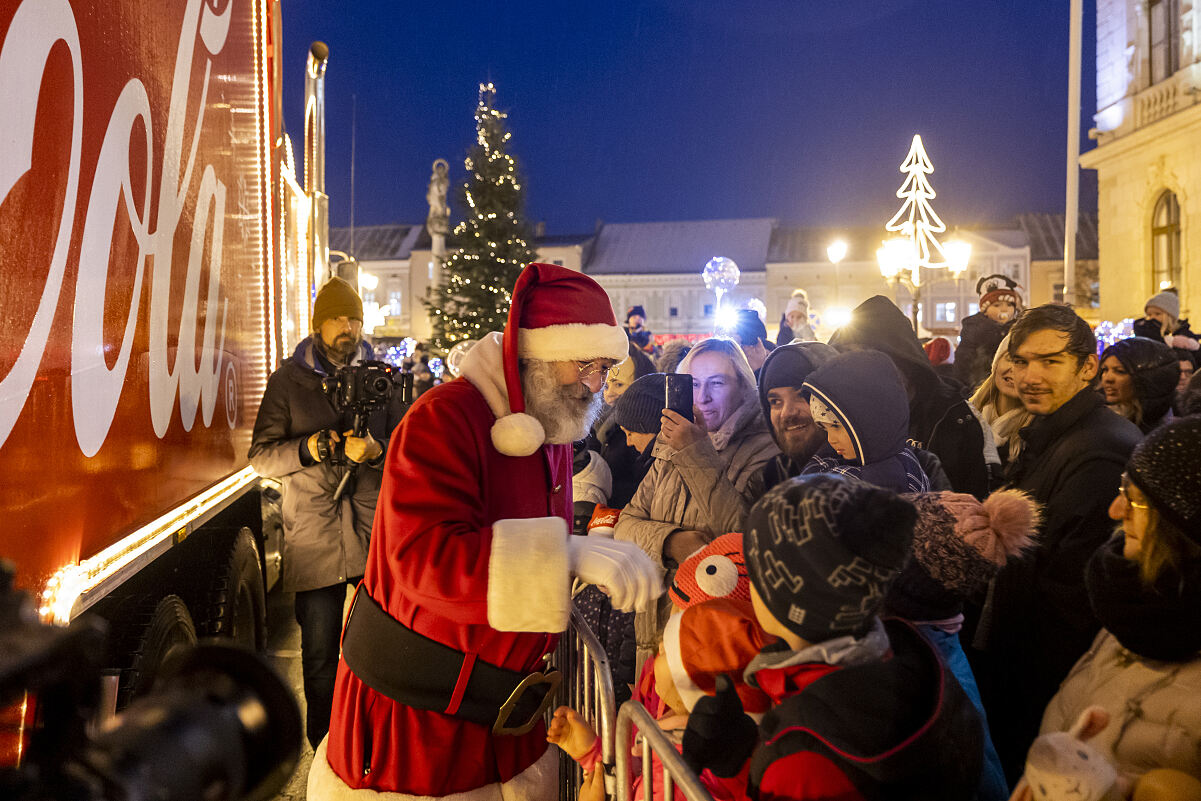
(679, 247)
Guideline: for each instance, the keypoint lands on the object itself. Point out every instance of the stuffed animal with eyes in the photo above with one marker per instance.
(715, 571)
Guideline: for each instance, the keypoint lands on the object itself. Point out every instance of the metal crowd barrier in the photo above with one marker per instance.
(589, 691)
(654, 744)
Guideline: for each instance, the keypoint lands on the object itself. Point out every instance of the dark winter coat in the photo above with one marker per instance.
(1039, 622)
(865, 392)
(979, 338)
(324, 542)
(940, 420)
(1151, 329)
(876, 729)
(1154, 369)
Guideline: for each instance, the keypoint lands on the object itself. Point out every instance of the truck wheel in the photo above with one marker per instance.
(234, 604)
(158, 629)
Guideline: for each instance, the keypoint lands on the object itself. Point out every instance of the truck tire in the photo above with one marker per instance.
(158, 628)
(234, 602)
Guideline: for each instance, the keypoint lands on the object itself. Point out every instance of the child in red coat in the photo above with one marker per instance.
(861, 708)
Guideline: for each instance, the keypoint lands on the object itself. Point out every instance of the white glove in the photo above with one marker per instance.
(622, 568)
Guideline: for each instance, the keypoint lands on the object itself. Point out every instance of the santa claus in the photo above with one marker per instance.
(444, 674)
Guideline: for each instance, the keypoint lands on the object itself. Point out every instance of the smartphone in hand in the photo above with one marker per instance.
(677, 392)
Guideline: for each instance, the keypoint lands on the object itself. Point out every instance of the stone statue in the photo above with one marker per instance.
(438, 221)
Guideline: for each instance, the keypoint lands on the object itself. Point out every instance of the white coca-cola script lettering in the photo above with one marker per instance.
(95, 388)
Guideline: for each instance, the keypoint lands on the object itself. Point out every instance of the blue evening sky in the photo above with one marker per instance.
(642, 110)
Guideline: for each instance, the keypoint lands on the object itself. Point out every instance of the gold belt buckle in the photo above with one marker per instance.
(553, 677)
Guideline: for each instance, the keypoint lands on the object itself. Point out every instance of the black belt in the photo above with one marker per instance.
(416, 671)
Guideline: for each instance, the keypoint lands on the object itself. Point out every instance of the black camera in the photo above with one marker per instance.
(364, 386)
(218, 723)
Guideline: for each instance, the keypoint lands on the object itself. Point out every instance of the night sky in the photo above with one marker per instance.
(646, 110)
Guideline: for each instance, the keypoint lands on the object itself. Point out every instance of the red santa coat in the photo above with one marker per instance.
(469, 549)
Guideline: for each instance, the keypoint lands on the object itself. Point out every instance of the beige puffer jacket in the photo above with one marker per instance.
(708, 486)
(1154, 708)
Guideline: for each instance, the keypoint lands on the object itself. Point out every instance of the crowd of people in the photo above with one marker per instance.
(839, 572)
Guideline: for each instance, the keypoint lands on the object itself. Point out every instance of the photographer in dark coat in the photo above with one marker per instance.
(304, 442)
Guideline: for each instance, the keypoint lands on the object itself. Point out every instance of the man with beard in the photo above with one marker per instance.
(298, 437)
(444, 678)
(787, 410)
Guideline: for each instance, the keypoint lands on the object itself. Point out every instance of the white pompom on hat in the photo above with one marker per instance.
(557, 315)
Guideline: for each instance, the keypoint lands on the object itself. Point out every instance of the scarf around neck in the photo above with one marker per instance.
(1161, 622)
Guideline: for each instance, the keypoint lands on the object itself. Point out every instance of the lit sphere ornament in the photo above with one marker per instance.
(454, 356)
(721, 275)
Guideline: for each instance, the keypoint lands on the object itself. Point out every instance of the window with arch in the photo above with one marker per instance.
(1165, 242)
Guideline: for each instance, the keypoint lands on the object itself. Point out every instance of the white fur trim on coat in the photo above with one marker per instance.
(685, 686)
(573, 342)
(483, 366)
(538, 782)
(529, 587)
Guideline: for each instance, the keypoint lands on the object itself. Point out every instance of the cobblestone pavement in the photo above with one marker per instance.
(283, 652)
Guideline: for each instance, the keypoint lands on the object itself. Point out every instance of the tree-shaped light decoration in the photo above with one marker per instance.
(492, 240)
(917, 221)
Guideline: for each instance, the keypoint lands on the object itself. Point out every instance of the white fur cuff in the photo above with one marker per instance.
(529, 585)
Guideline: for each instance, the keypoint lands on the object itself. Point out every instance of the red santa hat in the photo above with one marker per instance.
(712, 638)
(557, 315)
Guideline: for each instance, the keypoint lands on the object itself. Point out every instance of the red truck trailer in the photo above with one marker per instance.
(156, 261)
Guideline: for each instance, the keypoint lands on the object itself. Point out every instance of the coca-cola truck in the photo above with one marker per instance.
(157, 259)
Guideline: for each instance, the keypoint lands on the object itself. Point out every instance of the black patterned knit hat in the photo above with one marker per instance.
(1167, 467)
(823, 550)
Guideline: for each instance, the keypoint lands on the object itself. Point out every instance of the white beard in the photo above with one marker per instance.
(566, 411)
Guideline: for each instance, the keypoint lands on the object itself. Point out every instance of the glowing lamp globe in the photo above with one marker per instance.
(720, 274)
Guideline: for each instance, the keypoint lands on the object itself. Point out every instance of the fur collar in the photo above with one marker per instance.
(483, 366)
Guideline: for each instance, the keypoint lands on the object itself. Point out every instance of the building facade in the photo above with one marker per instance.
(1148, 154)
(658, 266)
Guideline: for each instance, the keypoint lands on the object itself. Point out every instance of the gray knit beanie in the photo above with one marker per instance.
(1167, 301)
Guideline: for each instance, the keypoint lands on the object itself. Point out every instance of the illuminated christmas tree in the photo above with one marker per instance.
(473, 296)
(917, 221)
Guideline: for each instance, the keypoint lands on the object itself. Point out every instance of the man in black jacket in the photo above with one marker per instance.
(940, 420)
(1038, 622)
(304, 442)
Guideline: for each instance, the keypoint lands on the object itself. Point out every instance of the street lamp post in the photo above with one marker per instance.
(836, 252)
(901, 266)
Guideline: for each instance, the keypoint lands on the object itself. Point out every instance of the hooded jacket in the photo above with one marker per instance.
(940, 420)
(324, 542)
(787, 366)
(1155, 370)
(868, 718)
(865, 392)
